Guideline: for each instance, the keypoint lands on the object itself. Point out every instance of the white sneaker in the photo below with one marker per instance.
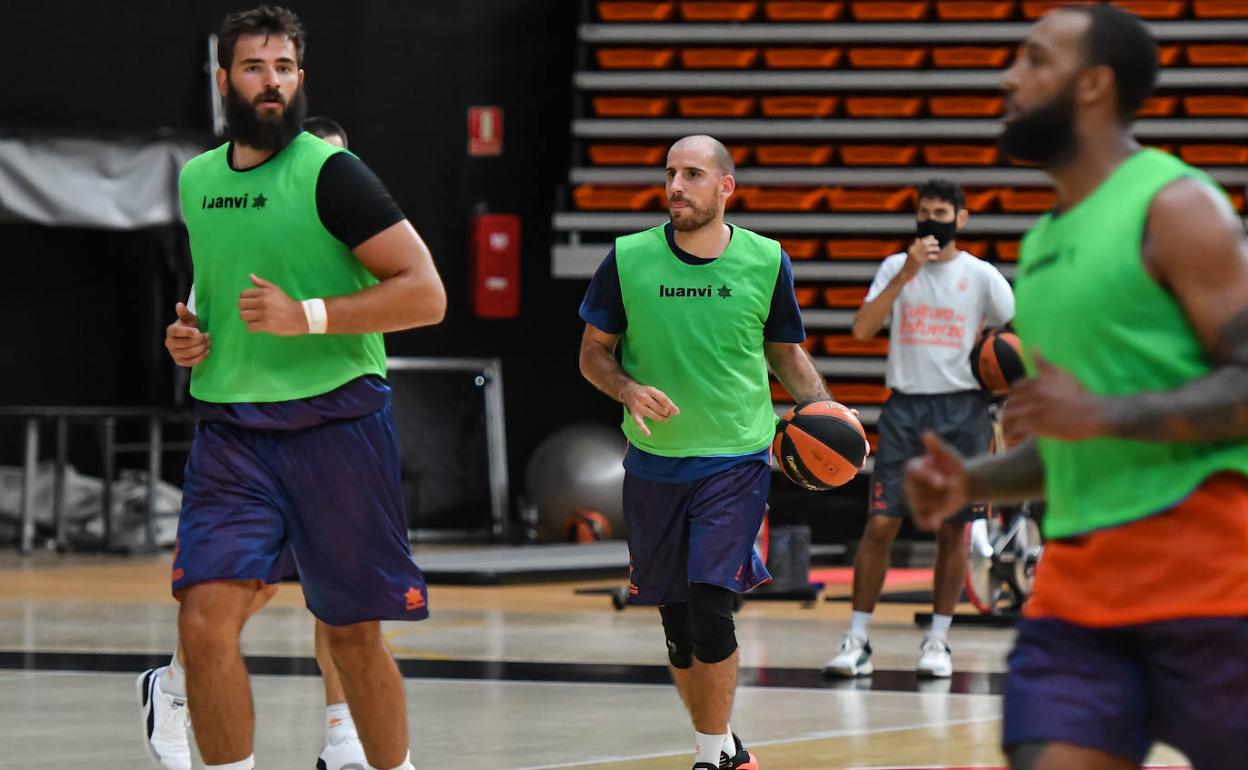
(347, 755)
(935, 659)
(854, 659)
(166, 720)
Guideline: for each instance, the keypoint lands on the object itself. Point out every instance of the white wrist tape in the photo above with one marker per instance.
(318, 319)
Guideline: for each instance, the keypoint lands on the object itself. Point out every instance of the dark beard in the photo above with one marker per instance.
(245, 125)
(1045, 135)
(697, 219)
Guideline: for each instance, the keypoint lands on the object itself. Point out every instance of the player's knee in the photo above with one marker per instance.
(354, 637)
(679, 635)
(710, 621)
(881, 531)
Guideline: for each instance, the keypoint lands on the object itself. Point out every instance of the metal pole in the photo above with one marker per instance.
(58, 483)
(496, 441)
(153, 474)
(109, 458)
(27, 536)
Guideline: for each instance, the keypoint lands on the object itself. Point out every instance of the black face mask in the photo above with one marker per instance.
(944, 232)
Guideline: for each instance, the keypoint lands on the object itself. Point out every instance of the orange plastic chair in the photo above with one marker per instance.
(845, 296)
(1007, 250)
(635, 58)
(800, 248)
(806, 295)
(1216, 106)
(972, 57)
(1027, 201)
(980, 201)
(839, 345)
(793, 154)
(975, 10)
(960, 155)
(718, 58)
(1221, 9)
(1158, 107)
(802, 58)
(1237, 201)
(609, 11)
(783, 198)
(862, 248)
(803, 11)
(875, 10)
(1168, 55)
(873, 441)
(1217, 55)
(1034, 9)
(626, 154)
(878, 154)
(883, 106)
(616, 198)
(631, 106)
(965, 106)
(871, 200)
(887, 58)
(740, 155)
(703, 11)
(859, 393)
(715, 106)
(1153, 9)
(799, 106)
(1215, 154)
(977, 248)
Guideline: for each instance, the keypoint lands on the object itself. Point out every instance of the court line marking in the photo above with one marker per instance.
(803, 738)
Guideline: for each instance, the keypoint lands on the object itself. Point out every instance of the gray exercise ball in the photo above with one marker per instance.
(578, 468)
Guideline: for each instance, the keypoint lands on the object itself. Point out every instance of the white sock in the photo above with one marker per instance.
(708, 747)
(174, 681)
(730, 745)
(339, 726)
(859, 625)
(407, 763)
(243, 764)
(940, 627)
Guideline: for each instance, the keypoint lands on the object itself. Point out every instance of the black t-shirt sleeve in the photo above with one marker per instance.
(603, 306)
(352, 202)
(784, 322)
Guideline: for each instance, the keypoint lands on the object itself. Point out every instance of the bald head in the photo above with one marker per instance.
(712, 151)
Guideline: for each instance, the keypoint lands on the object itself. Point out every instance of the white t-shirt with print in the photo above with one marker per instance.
(937, 318)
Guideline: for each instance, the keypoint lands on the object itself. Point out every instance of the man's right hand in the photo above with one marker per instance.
(183, 339)
(936, 484)
(644, 402)
(922, 251)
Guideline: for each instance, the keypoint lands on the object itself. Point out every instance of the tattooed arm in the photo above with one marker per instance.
(1195, 248)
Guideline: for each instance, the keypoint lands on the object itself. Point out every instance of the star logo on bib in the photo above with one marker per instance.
(259, 201)
(724, 291)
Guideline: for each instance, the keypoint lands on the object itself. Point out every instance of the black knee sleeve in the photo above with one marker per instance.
(710, 619)
(676, 629)
(1024, 756)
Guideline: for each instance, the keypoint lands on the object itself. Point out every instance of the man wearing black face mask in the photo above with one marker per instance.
(938, 297)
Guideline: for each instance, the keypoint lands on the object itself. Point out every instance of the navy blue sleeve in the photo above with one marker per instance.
(603, 306)
(784, 322)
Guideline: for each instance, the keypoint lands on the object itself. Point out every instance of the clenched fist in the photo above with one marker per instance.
(183, 339)
(267, 308)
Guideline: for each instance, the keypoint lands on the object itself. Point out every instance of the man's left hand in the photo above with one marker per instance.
(267, 308)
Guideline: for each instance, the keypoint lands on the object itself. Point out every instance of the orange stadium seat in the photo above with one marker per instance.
(845, 296)
(803, 11)
(800, 248)
(1215, 154)
(1007, 250)
(1168, 55)
(975, 10)
(965, 106)
(1221, 9)
(1158, 107)
(715, 106)
(1154, 9)
(878, 154)
(960, 155)
(802, 58)
(978, 248)
(859, 392)
(887, 58)
(1237, 201)
(883, 106)
(1034, 9)
(718, 58)
(844, 345)
(793, 154)
(782, 198)
(617, 197)
(972, 57)
(876, 10)
(631, 106)
(862, 248)
(1217, 55)
(799, 106)
(841, 199)
(704, 11)
(626, 154)
(1214, 106)
(617, 11)
(1027, 201)
(740, 154)
(806, 295)
(635, 58)
(979, 201)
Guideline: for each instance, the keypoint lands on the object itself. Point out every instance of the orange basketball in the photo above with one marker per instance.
(586, 527)
(820, 445)
(997, 360)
